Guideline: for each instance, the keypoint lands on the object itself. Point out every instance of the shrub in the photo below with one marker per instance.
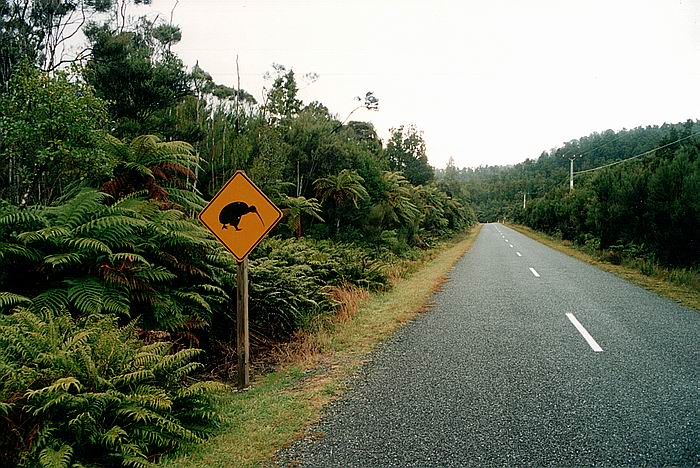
(130, 259)
(290, 280)
(87, 392)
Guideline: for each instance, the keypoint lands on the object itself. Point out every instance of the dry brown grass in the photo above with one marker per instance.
(349, 297)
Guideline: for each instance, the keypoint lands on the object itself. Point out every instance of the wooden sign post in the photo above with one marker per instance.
(242, 340)
(240, 216)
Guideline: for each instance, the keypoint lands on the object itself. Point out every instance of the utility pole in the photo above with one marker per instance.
(571, 173)
(524, 197)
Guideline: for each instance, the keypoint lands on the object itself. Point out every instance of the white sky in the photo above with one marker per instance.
(488, 81)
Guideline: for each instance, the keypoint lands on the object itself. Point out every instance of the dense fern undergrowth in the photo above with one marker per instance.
(84, 392)
(106, 302)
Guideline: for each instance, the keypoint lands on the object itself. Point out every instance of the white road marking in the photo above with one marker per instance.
(518, 254)
(511, 245)
(537, 275)
(587, 336)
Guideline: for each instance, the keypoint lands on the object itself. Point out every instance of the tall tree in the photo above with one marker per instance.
(282, 102)
(36, 31)
(50, 127)
(139, 76)
(406, 152)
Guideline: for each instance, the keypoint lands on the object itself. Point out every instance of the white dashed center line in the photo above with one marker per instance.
(511, 245)
(587, 336)
(518, 254)
(537, 275)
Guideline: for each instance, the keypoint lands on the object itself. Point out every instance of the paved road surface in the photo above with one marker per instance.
(498, 374)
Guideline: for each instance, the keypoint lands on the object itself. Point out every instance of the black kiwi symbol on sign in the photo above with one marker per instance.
(232, 213)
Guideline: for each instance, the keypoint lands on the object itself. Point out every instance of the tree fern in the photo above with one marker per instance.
(88, 393)
(129, 258)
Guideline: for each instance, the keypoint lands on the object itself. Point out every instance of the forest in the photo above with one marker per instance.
(116, 304)
(635, 197)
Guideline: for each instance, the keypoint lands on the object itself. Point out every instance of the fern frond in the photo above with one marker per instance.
(9, 300)
(210, 288)
(120, 225)
(137, 413)
(78, 339)
(194, 298)
(86, 295)
(51, 299)
(116, 302)
(186, 199)
(127, 257)
(61, 458)
(64, 383)
(155, 275)
(159, 348)
(152, 397)
(64, 259)
(19, 251)
(6, 408)
(187, 369)
(114, 437)
(132, 378)
(80, 208)
(131, 201)
(167, 215)
(31, 215)
(135, 461)
(46, 233)
(173, 361)
(145, 359)
(87, 243)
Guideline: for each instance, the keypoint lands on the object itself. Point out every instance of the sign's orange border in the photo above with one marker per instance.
(279, 218)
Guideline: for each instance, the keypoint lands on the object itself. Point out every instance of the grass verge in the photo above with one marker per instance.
(659, 284)
(278, 406)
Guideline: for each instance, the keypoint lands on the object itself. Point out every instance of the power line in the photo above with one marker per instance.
(548, 188)
(638, 155)
(619, 136)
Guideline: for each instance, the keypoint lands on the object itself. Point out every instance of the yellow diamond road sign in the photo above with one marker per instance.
(240, 215)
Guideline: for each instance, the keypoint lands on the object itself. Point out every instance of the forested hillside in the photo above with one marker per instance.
(109, 286)
(647, 207)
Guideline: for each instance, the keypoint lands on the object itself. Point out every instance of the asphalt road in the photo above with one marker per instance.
(498, 374)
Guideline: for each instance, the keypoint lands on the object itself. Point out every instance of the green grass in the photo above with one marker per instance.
(277, 408)
(680, 285)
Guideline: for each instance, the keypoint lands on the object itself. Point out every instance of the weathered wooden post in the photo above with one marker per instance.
(242, 341)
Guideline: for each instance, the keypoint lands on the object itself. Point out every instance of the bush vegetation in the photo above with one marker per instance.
(85, 392)
(109, 286)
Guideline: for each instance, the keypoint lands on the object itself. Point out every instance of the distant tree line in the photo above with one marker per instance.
(648, 207)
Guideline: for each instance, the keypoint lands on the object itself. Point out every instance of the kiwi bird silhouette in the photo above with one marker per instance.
(232, 213)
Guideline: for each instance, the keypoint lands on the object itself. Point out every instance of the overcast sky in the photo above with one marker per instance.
(487, 81)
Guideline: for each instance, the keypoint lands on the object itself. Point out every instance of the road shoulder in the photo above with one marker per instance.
(683, 295)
